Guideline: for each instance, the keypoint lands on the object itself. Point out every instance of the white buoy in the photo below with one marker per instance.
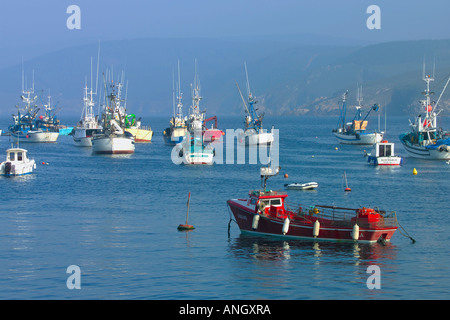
(355, 232)
(316, 228)
(285, 226)
(255, 221)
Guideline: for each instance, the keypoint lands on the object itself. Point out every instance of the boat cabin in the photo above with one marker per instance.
(16, 155)
(384, 149)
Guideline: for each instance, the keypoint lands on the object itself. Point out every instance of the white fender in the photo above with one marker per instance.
(285, 226)
(255, 221)
(355, 232)
(316, 228)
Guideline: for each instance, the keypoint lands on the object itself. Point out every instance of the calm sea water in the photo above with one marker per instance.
(116, 218)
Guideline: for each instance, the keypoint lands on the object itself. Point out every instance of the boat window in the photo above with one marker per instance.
(19, 156)
(11, 156)
(388, 150)
(275, 202)
(381, 150)
(253, 201)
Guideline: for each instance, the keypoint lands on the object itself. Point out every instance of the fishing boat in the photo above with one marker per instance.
(253, 133)
(302, 186)
(17, 163)
(267, 213)
(177, 127)
(113, 139)
(354, 132)
(193, 150)
(212, 133)
(383, 155)
(425, 140)
(196, 120)
(88, 126)
(26, 127)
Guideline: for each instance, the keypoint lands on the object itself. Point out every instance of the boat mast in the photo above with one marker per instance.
(179, 96)
(251, 110)
(195, 91)
(341, 122)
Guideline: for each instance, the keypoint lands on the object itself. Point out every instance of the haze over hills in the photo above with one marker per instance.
(288, 76)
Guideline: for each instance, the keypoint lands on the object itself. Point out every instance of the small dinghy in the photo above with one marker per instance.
(302, 186)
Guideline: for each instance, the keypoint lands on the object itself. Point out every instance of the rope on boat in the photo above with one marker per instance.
(406, 233)
(229, 222)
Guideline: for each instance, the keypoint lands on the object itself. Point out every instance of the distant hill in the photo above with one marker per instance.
(288, 76)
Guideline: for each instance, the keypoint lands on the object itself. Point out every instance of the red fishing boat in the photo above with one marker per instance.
(266, 212)
(213, 133)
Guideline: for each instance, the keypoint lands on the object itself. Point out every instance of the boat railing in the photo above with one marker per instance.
(262, 193)
(343, 217)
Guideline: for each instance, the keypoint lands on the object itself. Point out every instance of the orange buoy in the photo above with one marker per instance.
(286, 175)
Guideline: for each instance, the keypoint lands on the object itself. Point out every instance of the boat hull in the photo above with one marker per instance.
(422, 152)
(82, 137)
(210, 135)
(358, 139)
(385, 161)
(113, 145)
(269, 227)
(204, 158)
(17, 169)
(253, 138)
(141, 135)
(34, 136)
(171, 140)
(82, 141)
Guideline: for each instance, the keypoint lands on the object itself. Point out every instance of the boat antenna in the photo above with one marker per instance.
(440, 96)
(173, 91)
(242, 97)
(98, 64)
(248, 83)
(266, 173)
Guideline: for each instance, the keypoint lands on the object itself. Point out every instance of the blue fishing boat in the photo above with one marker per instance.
(27, 128)
(253, 134)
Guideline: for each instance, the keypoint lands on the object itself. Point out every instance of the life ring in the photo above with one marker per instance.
(261, 206)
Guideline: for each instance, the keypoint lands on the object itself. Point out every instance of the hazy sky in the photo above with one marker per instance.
(40, 25)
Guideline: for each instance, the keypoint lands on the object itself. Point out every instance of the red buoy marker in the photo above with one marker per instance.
(347, 188)
(183, 227)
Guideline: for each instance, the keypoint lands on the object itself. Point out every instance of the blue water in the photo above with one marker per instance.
(116, 218)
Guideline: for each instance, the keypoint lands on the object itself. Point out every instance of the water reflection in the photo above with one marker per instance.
(263, 248)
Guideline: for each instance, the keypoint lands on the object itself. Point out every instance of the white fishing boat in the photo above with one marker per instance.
(383, 155)
(113, 139)
(425, 140)
(88, 125)
(302, 186)
(355, 132)
(196, 120)
(253, 134)
(17, 163)
(193, 150)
